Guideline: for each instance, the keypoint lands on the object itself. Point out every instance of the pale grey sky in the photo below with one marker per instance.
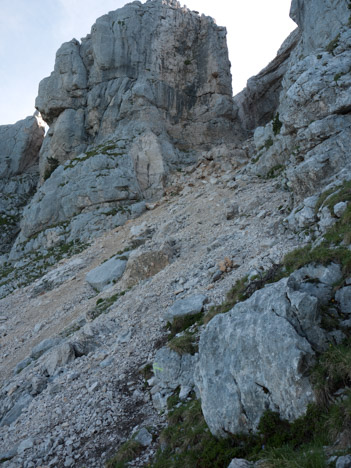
(31, 31)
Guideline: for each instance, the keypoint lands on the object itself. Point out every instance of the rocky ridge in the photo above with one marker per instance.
(75, 340)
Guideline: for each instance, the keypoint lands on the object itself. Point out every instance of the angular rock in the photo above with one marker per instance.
(106, 274)
(343, 297)
(143, 437)
(44, 346)
(339, 209)
(143, 265)
(191, 305)
(59, 357)
(171, 370)
(240, 463)
(343, 462)
(13, 414)
(245, 367)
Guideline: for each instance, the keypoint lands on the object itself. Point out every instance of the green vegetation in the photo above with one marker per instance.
(268, 143)
(109, 148)
(127, 452)
(275, 171)
(276, 124)
(333, 44)
(53, 164)
(103, 304)
(180, 324)
(184, 344)
(187, 62)
(37, 264)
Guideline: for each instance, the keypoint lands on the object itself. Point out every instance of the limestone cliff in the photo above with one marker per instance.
(181, 243)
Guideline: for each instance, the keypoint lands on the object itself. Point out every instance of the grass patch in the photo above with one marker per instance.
(53, 164)
(331, 197)
(126, 453)
(180, 324)
(185, 344)
(268, 143)
(275, 171)
(276, 124)
(332, 372)
(333, 44)
(109, 148)
(103, 304)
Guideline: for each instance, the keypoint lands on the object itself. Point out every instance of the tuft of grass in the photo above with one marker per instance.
(333, 44)
(268, 143)
(276, 124)
(275, 171)
(332, 372)
(103, 304)
(180, 324)
(126, 453)
(53, 164)
(184, 344)
(331, 197)
(311, 456)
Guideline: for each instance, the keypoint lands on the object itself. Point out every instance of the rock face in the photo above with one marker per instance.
(19, 155)
(255, 357)
(310, 141)
(125, 108)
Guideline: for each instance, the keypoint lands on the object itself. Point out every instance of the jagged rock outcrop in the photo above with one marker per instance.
(256, 357)
(19, 156)
(309, 139)
(258, 102)
(143, 94)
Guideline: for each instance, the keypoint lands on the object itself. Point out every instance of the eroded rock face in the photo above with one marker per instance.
(310, 143)
(173, 79)
(143, 94)
(19, 155)
(319, 20)
(256, 356)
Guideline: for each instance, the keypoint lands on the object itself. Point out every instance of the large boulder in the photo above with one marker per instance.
(256, 357)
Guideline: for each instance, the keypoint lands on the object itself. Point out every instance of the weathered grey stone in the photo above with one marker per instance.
(58, 357)
(339, 209)
(191, 305)
(245, 367)
(142, 265)
(16, 410)
(144, 437)
(22, 365)
(319, 21)
(171, 370)
(104, 275)
(343, 296)
(19, 145)
(25, 445)
(343, 462)
(258, 102)
(240, 463)
(8, 454)
(19, 154)
(44, 346)
(56, 277)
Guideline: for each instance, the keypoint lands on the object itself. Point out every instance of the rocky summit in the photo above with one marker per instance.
(175, 262)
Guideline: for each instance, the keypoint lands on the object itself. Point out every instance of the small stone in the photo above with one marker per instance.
(93, 387)
(339, 209)
(25, 445)
(144, 437)
(343, 462)
(191, 305)
(68, 462)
